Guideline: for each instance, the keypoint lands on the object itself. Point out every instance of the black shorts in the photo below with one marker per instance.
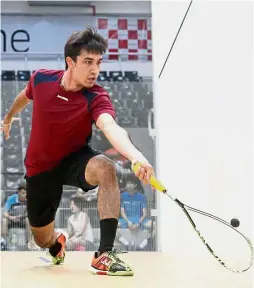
(44, 190)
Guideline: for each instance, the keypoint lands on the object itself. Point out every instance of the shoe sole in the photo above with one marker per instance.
(106, 273)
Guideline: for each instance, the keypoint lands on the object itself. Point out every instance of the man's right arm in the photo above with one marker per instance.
(18, 105)
(124, 216)
(7, 207)
(21, 101)
(8, 216)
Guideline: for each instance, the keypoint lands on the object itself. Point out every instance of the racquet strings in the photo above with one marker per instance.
(234, 249)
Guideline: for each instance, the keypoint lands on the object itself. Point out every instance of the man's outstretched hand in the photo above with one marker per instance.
(6, 126)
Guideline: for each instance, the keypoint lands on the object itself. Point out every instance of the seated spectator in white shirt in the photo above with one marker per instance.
(79, 227)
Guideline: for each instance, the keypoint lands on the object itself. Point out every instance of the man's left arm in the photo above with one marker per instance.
(120, 140)
(103, 114)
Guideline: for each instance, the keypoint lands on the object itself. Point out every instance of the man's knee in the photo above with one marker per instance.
(105, 164)
(100, 168)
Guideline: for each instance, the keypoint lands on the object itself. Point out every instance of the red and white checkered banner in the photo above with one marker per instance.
(125, 36)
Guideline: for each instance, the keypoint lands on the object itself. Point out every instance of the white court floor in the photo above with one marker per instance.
(152, 270)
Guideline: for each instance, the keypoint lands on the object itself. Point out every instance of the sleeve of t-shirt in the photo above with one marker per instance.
(8, 203)
(30, 87)
(102, 104)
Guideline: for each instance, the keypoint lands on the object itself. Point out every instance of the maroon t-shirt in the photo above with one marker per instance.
(62, 121)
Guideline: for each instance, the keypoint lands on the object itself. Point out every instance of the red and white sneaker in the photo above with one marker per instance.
(108, 263)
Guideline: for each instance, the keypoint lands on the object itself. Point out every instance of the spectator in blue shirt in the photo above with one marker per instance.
(16, 199)
(14, 212)
(133, 208)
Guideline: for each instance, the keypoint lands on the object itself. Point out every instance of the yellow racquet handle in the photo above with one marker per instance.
(153, 181)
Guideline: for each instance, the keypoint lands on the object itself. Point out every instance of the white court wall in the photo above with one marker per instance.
(204, 116)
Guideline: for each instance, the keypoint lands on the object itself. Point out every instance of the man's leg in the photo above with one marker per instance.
(88, 169)
(45, 236)
(102, 171)
(44, 193)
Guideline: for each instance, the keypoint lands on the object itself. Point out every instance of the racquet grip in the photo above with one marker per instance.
(153, 180)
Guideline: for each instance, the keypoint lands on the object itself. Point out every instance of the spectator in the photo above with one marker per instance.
(14, 213)
(133, 215)
(79, 228)
(133, 208)
(11, 219)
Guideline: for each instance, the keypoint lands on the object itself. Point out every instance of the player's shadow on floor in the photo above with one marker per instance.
(54, 270)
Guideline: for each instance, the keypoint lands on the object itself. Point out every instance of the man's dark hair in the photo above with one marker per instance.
(131, 179)
(88, 39)
(21, 186)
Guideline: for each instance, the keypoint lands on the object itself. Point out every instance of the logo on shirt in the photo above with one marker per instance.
(61, 97)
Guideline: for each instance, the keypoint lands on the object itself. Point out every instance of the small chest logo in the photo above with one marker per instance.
(63, 98)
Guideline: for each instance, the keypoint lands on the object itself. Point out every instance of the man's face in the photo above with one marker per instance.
(22, 195)
(130, 187)
(86, 69)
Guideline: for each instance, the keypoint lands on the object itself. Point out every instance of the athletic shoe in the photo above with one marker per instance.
(108, 263)
(59, 258)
